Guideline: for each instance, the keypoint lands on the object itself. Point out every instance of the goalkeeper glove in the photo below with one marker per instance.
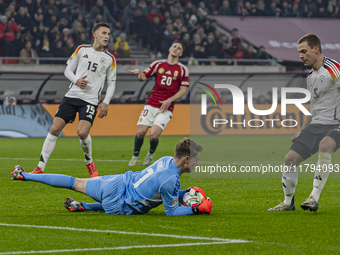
(197, 189)
(204, 207)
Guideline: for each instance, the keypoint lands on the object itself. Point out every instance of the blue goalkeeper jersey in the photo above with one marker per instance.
(157, 184)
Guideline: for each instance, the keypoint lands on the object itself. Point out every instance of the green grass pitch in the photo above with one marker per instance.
(239, 212)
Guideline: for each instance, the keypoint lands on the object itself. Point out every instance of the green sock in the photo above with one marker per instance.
(138, 145)
(153, 146)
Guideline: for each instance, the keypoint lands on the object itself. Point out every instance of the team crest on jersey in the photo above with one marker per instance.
(176, 73)
(175, 201)
(102, 60)
(321, 79)
(141, 119)
(161, 70)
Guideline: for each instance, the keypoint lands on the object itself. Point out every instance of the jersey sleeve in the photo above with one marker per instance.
(152, 69)
(170, 197)
(334, 71)
(111, 75)
(72, 62)
(185, 76)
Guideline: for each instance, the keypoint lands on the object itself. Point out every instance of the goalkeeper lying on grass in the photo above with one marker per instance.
(133, 192)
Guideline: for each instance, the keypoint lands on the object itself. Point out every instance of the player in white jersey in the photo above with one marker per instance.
(320, 132)
(91, 64)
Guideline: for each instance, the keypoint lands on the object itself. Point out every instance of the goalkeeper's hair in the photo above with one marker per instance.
(187, 147)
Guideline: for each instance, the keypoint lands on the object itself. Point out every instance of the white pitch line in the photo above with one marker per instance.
(128, 233)
(113, 248)
(127, 160)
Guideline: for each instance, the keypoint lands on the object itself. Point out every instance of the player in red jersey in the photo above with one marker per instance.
(172, 81)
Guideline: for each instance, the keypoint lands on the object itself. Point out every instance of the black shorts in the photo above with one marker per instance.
(69, 107)
(306, 143)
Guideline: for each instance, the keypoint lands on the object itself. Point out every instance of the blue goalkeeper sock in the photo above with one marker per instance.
(54, 180)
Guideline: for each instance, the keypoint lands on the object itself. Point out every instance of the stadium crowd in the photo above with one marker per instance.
(52, 28)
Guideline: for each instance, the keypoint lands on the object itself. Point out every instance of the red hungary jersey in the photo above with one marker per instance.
(168, 80)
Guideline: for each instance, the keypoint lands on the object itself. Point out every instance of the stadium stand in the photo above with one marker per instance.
(55, 28)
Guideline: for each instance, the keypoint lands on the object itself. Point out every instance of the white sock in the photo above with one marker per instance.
(321, 174)
(86, 145)
(47, 150)
(289, 182)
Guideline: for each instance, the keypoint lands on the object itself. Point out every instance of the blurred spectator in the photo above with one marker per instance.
(155, 35)
(193, 25)
(203, 9)
(23, 20)
(260, 9)
(262, 54)
(101, 9)
(2, 6)
(62, 5)
(141, 27)
(249, 54)
(190, 8)
(207, 28)
(122, 38)
(142, 6)
(200, 17)
(178, 25)
(202, 35)
(321, 12)
(28, 52)
(63, 14)
(58, 52)
(7, 29)
(123, 53)
(186, 42)
(69, 48)
(30, 7)
(198, 50)
(332, 9)
(18, 44)
(286, 9)
(111, 49)
(261, 100)
(186, 18)
(273, 10)
(122, 99)
(129, 13)
(196, 99)
(211, 47)
(169, 36)
(63, 24)
(39, 21)
(224, 10)
(114, 7)
(51, 5)
(309, 8)
(234, 38)
(75, 14)
(239, 53)
(240, 10)
(153, 13)
(38, 5)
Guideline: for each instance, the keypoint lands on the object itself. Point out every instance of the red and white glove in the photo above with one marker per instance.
(204, 207)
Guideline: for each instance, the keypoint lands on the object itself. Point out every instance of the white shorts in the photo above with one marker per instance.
(153, 116)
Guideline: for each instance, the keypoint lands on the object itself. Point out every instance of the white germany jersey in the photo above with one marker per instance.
(324, 87)
(96, 66)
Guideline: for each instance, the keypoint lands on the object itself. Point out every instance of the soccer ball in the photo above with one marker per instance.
(192, 197)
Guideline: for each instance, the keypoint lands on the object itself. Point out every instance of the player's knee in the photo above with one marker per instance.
(154, 137)
(82, 135)
(140, 134)
(55, 131)
(290, 160)
(327, 145)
